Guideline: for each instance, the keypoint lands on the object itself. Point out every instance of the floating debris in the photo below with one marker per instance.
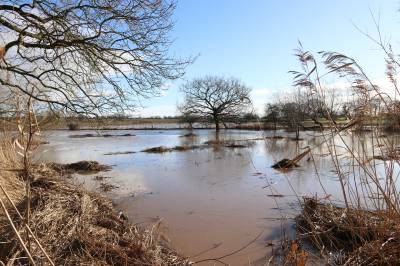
(79, 167)
(284, 164)
(90, 135)
(106, 187)
(189, 135)
(235, 145)
(160, 149)
(119, 153)
(274, 137)
(276, 195)
(100, 177)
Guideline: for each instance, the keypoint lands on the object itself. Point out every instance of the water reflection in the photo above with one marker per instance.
(216, 198)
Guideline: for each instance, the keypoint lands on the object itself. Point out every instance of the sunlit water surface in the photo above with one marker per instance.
(211, 201)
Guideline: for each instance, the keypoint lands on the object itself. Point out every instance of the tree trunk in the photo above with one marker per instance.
(216, 125)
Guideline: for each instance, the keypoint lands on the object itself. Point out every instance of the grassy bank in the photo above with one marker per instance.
(68, 224)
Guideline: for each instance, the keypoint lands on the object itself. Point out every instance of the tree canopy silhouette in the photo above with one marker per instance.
(217, 98)
(87, 55)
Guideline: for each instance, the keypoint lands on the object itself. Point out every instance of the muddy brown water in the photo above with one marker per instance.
(211, 201)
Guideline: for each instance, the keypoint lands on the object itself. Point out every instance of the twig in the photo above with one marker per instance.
(218, 259)
(27, 226)
(16, 233)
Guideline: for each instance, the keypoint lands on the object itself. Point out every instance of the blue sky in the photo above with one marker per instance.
(254, 40)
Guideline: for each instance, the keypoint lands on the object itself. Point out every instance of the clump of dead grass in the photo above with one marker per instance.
(90, 135)
(9, 163)
(189, 135)
(350, 236)
(208, 144)
(72, 225)
(119, 153)
(79, 167)
(107, 187)
(160, 149)
(77, 227)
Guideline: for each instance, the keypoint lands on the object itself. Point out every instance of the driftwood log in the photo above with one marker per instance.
(289, 163)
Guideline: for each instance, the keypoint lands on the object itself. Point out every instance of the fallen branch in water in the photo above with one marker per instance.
(285, 164)
(218, 259)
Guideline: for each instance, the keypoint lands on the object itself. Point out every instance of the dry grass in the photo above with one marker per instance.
(89, 135)
(362, 227)
(189, 135)
(160, 149)
(240, 143)
(119, 153)
(74, 226)
(351, 236)
(8, 164)
(208, 144)
(107, 187)
(79, 167)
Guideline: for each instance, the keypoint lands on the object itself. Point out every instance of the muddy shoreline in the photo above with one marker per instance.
(75, 226)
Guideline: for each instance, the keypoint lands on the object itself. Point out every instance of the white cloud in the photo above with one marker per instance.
(262, 92)
(157, 110)
(262, 96)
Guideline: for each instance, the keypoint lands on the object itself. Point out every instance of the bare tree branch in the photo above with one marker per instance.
(215, 97)
(87, 56)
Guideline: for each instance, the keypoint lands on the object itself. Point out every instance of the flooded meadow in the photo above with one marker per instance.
(214, 199)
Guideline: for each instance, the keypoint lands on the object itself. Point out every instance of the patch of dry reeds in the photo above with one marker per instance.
(350, 236)
(71, 225)
(8, 163)
(79, 167)
(362, 227)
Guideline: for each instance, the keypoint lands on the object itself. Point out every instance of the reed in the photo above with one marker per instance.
(360, 226)
(44, 220)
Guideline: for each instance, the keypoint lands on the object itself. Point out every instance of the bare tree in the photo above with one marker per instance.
(87, 56)
(216, 97)
(292, 111)
(188, 118)
(272, 112)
